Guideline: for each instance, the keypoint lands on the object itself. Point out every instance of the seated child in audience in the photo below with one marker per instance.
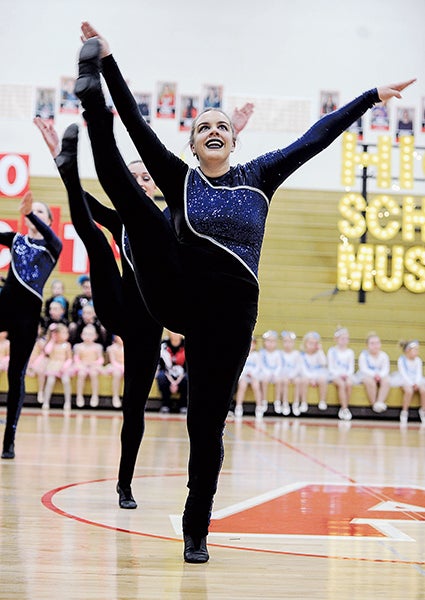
(58, 351)
(270, 365)
(88, 363)
(172, 374)
(37, 362)
(58, 294)
(56, 315)
(373, 372)
(250, 376)
(314, 372)
(341, 370)
(88, 316)
(115, 368)
(4, 351)
(290, 373)
(409, 377)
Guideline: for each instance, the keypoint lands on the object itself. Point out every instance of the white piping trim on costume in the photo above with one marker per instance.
(207, 237)
(123, 248)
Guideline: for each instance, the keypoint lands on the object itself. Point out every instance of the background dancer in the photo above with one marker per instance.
(33, 257)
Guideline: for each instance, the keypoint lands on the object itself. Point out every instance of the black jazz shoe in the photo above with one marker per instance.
(126, 499)
(9, 452)
(195, 551)
(68, 154)
(88, 83)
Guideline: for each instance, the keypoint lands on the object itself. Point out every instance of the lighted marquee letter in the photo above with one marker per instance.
(407, 148)
(379, 209)
(354, 224)
(414, 262)
(383, 281)
(355, 272)
(351, 159)
(413, 218)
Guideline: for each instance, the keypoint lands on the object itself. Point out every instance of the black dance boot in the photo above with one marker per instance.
(88, 87)
(8, 451)
(68, 154)
(126, 499)
(195, 549)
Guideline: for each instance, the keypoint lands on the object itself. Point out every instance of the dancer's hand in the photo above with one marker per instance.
(386, 92)
(49, 134)
(25, 206)
(241, 117)
(87, 32)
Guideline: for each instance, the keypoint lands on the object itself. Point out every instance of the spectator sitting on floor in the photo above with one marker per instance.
(171, 375)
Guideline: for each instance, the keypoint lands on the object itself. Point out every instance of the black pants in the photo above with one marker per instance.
(120, 308)
(189, 292)
(22, 334)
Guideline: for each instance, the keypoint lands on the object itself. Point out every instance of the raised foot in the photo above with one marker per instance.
(68, 153)
(195, 551)
(88, 81)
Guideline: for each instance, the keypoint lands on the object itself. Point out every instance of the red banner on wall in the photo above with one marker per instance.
(14, 175)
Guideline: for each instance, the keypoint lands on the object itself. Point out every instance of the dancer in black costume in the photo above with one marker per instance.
(34, 257)
(212, 255)
(116, 297)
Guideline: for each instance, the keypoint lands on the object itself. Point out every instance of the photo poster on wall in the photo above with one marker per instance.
(189, 108)
(68, 101)
(329, 101)
(357, 128)
(423, 115)
(166, 100)
(380, 117)
(144, 102)
(212, 96)
(45, 103)
(405, 118)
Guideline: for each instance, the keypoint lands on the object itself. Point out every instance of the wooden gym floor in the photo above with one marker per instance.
(306, 509)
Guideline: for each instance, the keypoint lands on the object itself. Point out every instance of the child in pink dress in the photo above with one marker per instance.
(115, 368)
(58, 351)
(88, 363)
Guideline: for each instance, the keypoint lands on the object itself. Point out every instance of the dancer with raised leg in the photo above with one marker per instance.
(212, 253)
(116, 297)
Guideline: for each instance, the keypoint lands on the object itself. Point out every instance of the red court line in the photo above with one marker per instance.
(47, 501)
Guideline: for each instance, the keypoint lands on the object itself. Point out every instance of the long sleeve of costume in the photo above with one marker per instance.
(53, 243)
(105, 216)
(165, 167)
(278, 165)
(6, 238)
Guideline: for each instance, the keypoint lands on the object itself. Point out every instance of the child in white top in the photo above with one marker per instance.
(290, 373)
(374, 369)
(341, 370)
(58, 351)
(409, 377)
(314, 371)
(250, 376)
(271, 364)
(115, 368)
(4, 351)
(88, 362)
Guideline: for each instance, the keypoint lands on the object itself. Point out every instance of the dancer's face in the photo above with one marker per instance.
(212, 138)
(141, 175)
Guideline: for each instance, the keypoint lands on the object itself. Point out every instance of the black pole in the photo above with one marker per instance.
(363, 238)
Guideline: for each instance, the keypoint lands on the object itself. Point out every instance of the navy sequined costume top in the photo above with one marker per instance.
(229, 212)
(32, 261)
